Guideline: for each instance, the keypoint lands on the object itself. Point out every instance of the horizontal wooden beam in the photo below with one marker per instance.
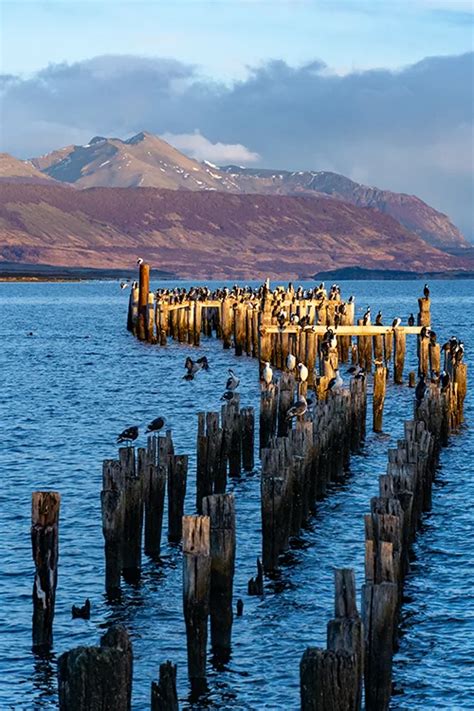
(344, 330)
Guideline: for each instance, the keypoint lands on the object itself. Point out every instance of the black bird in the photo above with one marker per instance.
(156, 425)
(366, 318)
(420, 391)
(444, 381)
(128, 435)
(396, 322)
(411, 320)
(83, 612)
(425, 332)
(378, 319)
(228, 396)
(432, 336)
(426, 291)
(193, 367)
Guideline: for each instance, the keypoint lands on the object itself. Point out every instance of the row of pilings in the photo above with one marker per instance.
(360, 649)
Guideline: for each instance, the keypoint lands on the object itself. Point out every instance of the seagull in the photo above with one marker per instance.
(302, 372)
(139, 261)
(420, 391)
(294, 319)
(123, 285)
(267, 374)
(228, 396)
(360, 375)
(411, 320)
(396, 322)
(156, 425)
(336, 383)
(378, 319)
(128, 435)
(426, 291)
(298, 409)
(232, 381)
(290, 362)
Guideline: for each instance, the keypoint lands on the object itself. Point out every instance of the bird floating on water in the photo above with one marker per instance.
(298, 409)
(156, 425)
(267, 374)
(83, 612)
(232, 381)
(129, 435)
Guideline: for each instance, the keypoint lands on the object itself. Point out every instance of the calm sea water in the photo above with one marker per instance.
(72, 386)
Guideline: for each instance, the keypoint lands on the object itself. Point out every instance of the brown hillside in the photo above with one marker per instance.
(203, 234)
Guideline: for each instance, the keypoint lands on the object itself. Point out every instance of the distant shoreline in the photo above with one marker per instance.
(46, 273)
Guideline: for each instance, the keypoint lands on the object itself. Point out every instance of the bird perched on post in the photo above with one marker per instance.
(366, 317)
(156, 425)
(232, 381)
(302, 372)
(444, 381)
(411, 320)
(267, 374)
(298, 409)
(335, 383)
(426, 291)
(228, 396)
(396, 322)
(128, 435)
(378, 319)
(281, 318)
(290, 362)
(123, 285)
(420, 391)
(139, 261)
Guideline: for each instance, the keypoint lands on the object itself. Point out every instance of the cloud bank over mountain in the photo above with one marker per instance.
(409, 130)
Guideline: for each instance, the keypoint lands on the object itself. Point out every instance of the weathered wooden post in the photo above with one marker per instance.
(196, 589)
(177, 476)
(221, 510)
(155, 470)
(424, 315)
(164, 696)
(285, 401)
(133, 515)
(380, 381)
(378, 614)
(435, 357)
(144, 288)
(97, 678)
(247, 418)
(327, 680)
(268, 412)
(399, 354)
(44, 540)
(112, 504)
(150, 329)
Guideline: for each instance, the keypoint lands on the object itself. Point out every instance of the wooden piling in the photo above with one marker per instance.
(268, 412)
(327, 680)
(424, 315)
(44, 541)
(177, 476)
(221, 511)
(379, 617)
(399, 355)
(164, 696)
(247, 417)
(133, 515)
(155, 472)
(97, 678)
(144, 288)
(380, 381)
(112, 505)
(196, 595)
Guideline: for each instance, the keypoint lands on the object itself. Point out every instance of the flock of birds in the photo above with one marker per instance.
(453, 348)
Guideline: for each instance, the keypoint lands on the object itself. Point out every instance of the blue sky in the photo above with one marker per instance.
(224, 37)
(378, 90)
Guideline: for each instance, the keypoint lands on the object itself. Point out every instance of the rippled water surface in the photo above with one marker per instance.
(72, 386)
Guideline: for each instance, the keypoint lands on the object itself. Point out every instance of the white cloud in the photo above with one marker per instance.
(199, 147)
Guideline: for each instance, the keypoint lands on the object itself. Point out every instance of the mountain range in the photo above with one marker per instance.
(196, 219)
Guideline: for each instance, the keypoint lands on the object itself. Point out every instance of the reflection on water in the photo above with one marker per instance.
(79, 380)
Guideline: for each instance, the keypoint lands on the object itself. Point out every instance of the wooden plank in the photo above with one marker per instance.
(345, 330)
